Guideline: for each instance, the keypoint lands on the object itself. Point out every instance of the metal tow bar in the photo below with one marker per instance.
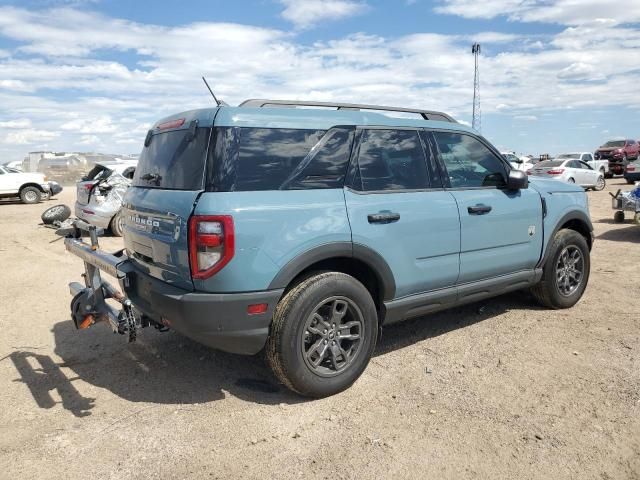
(89, 305)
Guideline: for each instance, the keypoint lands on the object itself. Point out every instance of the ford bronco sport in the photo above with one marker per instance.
(301, 232)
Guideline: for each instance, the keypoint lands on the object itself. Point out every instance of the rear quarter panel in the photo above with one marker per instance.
(272, 228)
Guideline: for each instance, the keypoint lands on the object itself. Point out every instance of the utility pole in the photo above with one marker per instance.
(476, 122)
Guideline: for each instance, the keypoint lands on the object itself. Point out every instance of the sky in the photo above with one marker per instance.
(93, 75)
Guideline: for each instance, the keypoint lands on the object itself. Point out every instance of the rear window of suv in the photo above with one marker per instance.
(174, 160)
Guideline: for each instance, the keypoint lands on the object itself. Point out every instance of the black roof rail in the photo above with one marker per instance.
(426, 114)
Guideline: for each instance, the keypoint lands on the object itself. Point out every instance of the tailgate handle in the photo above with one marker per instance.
(479, 209)
(383, 217)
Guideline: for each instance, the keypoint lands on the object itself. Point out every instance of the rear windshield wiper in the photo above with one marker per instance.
(152, 178)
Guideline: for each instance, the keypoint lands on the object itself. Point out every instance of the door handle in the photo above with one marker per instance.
(479, 209)
(383, 217)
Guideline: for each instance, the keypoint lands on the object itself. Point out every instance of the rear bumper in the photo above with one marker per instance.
(218, 320)
(94, 215)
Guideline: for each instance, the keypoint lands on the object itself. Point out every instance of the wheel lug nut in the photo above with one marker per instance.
(326, 341)
(325, 330)
(333, 343)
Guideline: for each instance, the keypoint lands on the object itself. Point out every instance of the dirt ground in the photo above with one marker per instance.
(500, 389)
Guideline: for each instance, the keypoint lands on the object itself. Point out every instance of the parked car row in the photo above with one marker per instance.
(615, 157)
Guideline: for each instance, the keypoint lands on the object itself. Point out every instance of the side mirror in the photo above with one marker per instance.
(517, 180)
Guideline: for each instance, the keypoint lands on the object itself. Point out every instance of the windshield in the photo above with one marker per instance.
(174, 160)
(570, 156)
(616, 143)
(550, 164)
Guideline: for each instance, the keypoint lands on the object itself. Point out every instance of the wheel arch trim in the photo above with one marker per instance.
(575, 215)
(327, 251)
(31, 184)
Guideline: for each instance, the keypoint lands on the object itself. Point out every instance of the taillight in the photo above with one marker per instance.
(559, 171)
(529, 172)
(630, 168)
(211, 244)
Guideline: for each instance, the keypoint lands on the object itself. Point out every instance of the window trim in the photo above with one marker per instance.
(445, 174)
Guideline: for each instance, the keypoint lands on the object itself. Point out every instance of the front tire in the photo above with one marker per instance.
(30, 195)
(565, 271)
(323, 334)
(600, 184)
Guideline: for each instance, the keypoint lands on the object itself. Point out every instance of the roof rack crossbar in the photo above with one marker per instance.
(425, 114)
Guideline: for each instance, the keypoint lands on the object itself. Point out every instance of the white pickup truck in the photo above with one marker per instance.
(30, 187)
(587, 157)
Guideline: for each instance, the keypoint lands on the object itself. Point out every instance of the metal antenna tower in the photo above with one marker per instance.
(476, 122)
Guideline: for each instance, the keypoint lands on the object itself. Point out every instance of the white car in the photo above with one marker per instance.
(519, 163)
(30, 187)
(587, 157)
(572, 171)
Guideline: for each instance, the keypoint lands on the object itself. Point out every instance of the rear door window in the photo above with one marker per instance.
(391, 160)
(174, 160)
(325, 166)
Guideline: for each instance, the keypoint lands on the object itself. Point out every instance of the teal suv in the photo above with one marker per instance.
(301, 229)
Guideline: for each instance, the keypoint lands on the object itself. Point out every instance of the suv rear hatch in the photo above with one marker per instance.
(168, 180)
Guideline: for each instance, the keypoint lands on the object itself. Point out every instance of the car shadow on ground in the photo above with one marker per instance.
(407, 333)
(630, 233)
(166, 368)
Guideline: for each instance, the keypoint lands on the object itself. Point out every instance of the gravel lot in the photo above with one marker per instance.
(500, 389)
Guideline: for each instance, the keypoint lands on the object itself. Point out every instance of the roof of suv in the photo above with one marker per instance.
(306, 118)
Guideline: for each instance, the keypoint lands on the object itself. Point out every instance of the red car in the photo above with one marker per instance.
(618, 152)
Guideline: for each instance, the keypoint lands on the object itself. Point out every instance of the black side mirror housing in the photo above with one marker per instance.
(517, 180)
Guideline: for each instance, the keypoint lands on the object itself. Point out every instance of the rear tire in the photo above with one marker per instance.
(571, 180)
(30, 195)
(116, 225)
(565, 271)
(56, 213)
(323, 334)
